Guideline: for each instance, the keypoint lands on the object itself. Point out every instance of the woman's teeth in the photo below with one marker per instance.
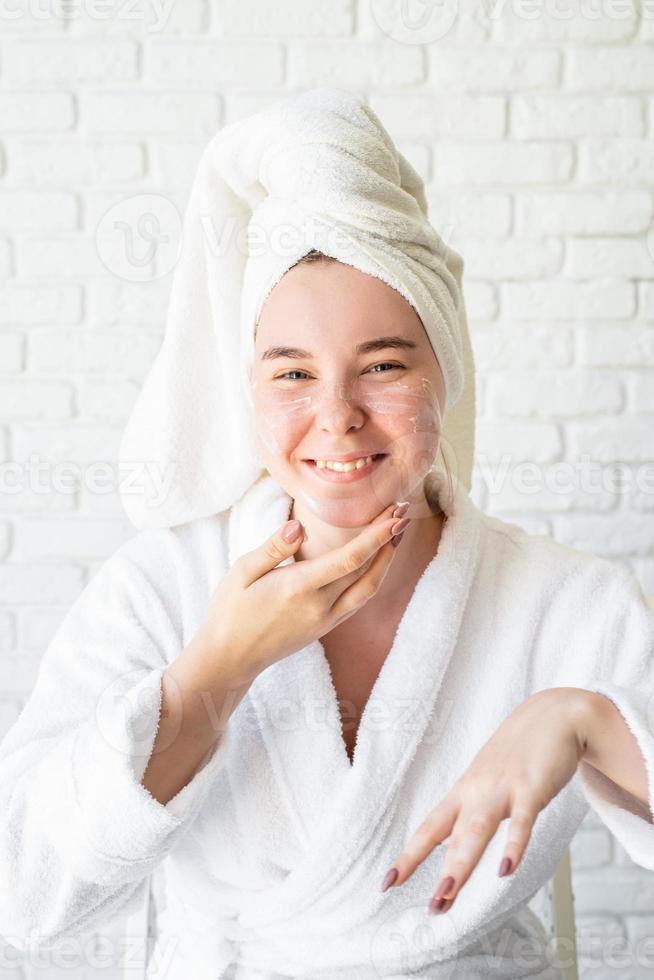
(353, 464)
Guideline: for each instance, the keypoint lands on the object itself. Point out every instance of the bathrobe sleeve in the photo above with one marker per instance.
(78, 830)
(628, 681)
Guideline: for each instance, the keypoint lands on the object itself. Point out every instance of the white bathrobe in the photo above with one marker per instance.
(268, 863)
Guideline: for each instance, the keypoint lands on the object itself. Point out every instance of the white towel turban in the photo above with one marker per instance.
(314, 170)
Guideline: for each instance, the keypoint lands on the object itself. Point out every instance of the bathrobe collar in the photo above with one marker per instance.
(297, 711)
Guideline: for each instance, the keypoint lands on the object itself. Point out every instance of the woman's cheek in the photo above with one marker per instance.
(411, 421)
(405, 417)
(278, 437)
(409, 415)
(280, 416)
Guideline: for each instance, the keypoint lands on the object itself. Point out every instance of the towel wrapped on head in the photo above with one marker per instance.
(313, 171)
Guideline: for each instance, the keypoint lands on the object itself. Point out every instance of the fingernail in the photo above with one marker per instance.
(505, 867)
(395, 540)
(389, 879)
(291, 531)
(401, 525)
(436, 904)
(444, 887)
(401, 509)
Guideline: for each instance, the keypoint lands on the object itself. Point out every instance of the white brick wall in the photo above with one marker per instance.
(532, 124)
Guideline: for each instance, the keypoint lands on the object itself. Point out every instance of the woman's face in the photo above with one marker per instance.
(324, 385)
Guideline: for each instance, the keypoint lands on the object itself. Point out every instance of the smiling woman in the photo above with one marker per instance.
(185, 720)
(338, 401)
(350, 396)
(370, 300)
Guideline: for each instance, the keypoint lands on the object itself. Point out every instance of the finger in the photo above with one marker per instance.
(333, 591)
(470, 836)
(442, 905)
(431, 832)
(521, 824)
(328, 568)
(365, 586)
(337, 590)
(394, 509)
(275, 549)
(351, 592)
(399, 510)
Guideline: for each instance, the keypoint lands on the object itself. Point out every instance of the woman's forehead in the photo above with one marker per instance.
(340, 310)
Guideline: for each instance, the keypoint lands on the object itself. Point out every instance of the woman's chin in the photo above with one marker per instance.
(343, 500)
(346, 511)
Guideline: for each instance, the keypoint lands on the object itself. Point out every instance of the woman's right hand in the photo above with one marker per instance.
(259, 613)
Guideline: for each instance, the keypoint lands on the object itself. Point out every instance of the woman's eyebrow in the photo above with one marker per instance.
(368, 347)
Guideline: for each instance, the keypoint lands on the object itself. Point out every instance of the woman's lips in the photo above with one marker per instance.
(334, 476)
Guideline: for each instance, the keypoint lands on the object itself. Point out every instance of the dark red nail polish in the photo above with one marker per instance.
(505, 867)
(444, 887)
(389, 879)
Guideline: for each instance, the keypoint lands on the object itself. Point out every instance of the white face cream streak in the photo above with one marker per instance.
(326, 387)
(403, 418)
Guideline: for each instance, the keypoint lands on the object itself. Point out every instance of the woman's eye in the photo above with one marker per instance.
(384, 364)
(286, 375)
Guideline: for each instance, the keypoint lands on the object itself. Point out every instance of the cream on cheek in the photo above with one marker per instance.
(404, 418)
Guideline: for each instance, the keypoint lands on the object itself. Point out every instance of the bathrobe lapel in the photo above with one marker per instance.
(336, 808)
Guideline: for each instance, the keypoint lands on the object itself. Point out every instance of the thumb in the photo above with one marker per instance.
(278, 547)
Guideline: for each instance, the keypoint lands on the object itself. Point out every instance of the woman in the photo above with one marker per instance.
(185, 722)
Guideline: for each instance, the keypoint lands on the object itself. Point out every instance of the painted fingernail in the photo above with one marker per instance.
(291, 531)
(436, 904)
(389, 879)
(444, 887)
(401, 509)
(401, 525)
(395, 540)
(505, 867)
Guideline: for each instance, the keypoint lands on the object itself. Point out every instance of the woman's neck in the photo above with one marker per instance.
(417, 548)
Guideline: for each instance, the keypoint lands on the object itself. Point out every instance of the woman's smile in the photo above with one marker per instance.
(348, 476)
(343, 366)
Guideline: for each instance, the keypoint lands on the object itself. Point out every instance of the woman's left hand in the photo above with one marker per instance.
(528, 760)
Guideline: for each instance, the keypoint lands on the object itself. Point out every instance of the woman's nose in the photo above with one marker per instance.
(338, 406)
